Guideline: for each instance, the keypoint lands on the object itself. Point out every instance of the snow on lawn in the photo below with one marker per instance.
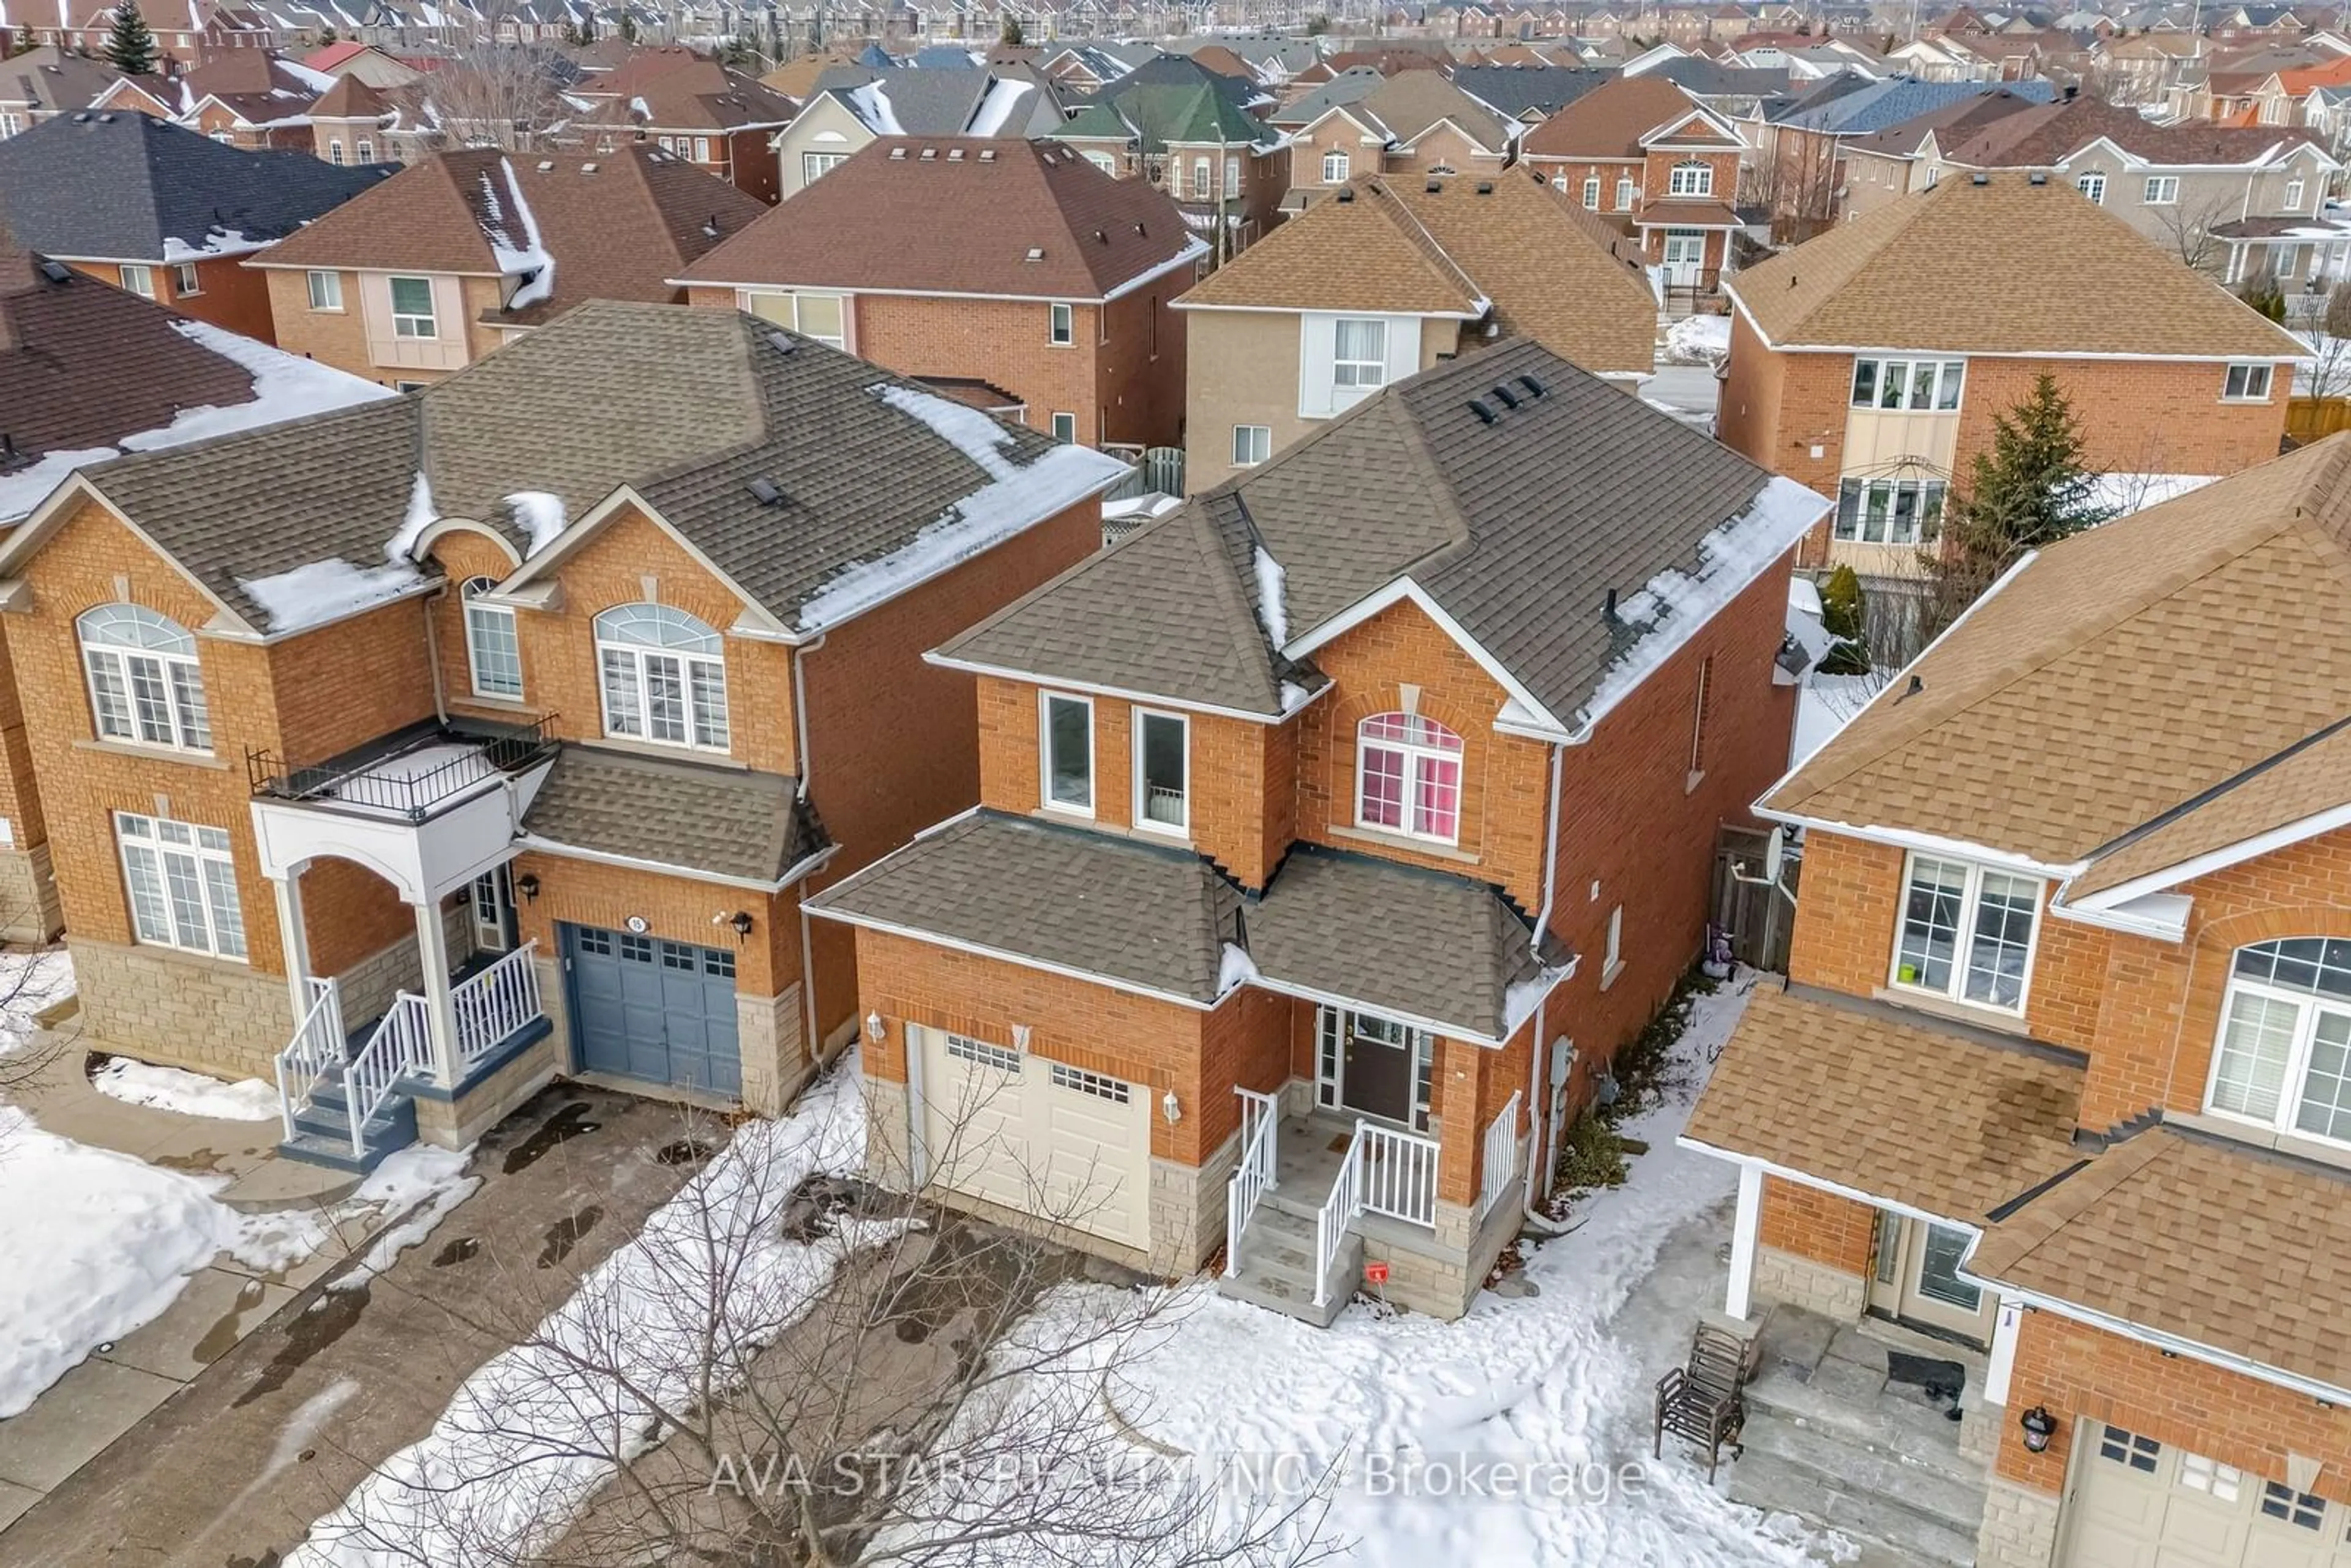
(1537, 1381)
(516, 1452)
(189, 1093)
(1827, 703)
(29, 983)
(1698, 340)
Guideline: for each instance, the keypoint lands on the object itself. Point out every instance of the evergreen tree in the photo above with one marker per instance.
(131, 47)
(2030, 490)
(1843, 617)
(588, 28)
(628, 26)
(2262, 292)
(1011, 38)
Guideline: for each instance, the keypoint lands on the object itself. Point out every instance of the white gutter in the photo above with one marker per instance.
(1536, 1120)
(811, 1044)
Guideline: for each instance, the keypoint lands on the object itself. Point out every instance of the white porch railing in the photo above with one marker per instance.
(495, 1003)
(1499, 1161)
(313, 1054)
(402, 1044)
(1399, 1173)
(1260, 1123)
(1337, 1213)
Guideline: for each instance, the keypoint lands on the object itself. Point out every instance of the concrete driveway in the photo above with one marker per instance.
(230, 1469)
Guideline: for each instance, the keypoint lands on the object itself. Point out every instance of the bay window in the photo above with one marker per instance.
(1888, 511)
(145, 684)
(1965, 932)
(664, 676)
(183, 886)
(1066, 734)
(1408, 777)
(2284, 1057)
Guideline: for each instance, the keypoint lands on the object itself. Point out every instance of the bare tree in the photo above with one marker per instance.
(496, 92)
(2186, 227)
(792, 1367)
(2328, 335)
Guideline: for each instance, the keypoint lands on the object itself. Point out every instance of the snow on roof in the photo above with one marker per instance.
(540, 513)
(870, 103)
(1014, 498)
(401, 548)
(327, 591)
(996, 110)
(527, 258)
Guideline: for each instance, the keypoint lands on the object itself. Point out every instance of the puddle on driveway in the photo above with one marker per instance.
(325, 1321)
(571, 1121)
(565, 1234)
(223, 1335)
(464, 1249)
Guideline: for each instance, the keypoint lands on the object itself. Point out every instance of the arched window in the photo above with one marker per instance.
(1691, 178)
(1335, 166)
(1408, 777)
(2283, 1057)
(663, 674)
(492, 651)
(145, 684)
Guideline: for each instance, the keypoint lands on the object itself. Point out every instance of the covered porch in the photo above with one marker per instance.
(422, 1037)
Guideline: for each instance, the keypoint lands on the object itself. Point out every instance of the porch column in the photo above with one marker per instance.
(441, 1017)
(293, 937)
(1749, 1220)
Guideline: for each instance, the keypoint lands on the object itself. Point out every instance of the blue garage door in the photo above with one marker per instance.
(645, 1007)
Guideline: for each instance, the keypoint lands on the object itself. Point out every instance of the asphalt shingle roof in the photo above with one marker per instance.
(1517, 90)
(729, 822)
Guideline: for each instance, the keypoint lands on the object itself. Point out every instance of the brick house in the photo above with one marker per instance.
(1012, 275)
(462, 252)
(164, 211)
(481, 751)
(718, 119)
(1195, 135)
(1271, 858)
(350, 124)
(2056, 1069)
(855, 107)
(251, 99)
(44, 83)
(1413, 122)
(1656, 161)
(1391, 277)
(1870, 363)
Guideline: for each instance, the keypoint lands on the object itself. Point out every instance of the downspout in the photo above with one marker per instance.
(432, 651)
(1536, 1119)
(809, 1044)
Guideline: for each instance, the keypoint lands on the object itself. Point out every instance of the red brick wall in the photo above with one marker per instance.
(2136, 416)
(1809, 1223)
(1776, 407)
(1568, 174)
(230, 295)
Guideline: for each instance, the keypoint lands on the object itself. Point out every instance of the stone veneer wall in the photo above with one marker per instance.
(1802, 1282)
(1187, 1208)
(29, 911)
(770, 1033)
(2020, 1528)
(455, 1124)
(181, 1009)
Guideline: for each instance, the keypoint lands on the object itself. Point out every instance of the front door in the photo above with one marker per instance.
(493, 900)
(1383, 1068)
(1684, 257)
(1917, 1279)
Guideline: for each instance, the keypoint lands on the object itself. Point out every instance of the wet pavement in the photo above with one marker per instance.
(258, 1434)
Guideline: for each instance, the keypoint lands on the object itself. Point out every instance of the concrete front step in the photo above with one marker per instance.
(1764, 1480)
(1920, 1436)
(323, 1135)
(1277, 1267)
(1926, 1488)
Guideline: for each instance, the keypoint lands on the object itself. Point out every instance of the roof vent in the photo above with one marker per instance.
(106, 120)
(2037, 177)
(779, 341)
(1036, 253)
(1980, 180)
(897, 154)
(546, 165)
(987, 155)
(1504, 395)
(81, 119)
(1534, 388)
(1100, 238)
(710, 225)
(55, 271)
(1139, 228)
(1485, 415)
(955, 154)
(928, 153)
(765, 491)
(1485, 187)
(1608, 606)
(1346, 194)
(1435, 185)
(588, 168)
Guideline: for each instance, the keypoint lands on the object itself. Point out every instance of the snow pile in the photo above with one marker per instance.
(538, 514)
(1667, 612)
(870, 103)
(524, 258)
(2120, 494)
(1015, 497)
(401, 548)
(516, 1452)
(995, 111)
(640, 108)
(1827, 703)
(1521, 997)
(1698, 340)
(188, 1094)
(1271, 610)
(1234, 967)
(29, 983)
(420, 1184)
(326, 591)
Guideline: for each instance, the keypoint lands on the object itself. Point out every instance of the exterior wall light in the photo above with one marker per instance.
(742, 923)
(874, 1028)
(527, 886)
(1171, 1108)
(2039, 1427)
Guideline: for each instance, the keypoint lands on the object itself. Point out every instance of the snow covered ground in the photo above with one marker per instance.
(1544, 1383)
(1827, 705)
(188, 1094)
(1698, 340)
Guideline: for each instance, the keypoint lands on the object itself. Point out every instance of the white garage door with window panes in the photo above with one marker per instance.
(1037, 1136)
(2139, 1504)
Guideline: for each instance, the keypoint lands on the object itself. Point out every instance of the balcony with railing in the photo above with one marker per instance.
(413, 774)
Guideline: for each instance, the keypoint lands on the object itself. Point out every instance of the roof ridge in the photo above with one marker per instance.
(2012, 1240)
(1398, 207)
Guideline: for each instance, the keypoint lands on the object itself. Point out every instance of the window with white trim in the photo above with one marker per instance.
(1252, 445)
(145, 683)
(1691, 178)
(11, 123)
(1093, 1083)
(1065, 428)
(335, 152)
(2302, 1510)
(981, 1053)
(492, 651)
(2246, 383)
(138, 277)
(2162, 190)
(1408, 777)
(2283, 1056)
(366, 150)
(702, 149)
(1359, 354)
(2293, 189)
(815, 166)
(1611, 962)
(664, 676)
(2221, 1483)
(1914, 385)
(186, 280)
(326, 290)
(1060, 326)
(183, 886)
(1965, 932)
(411, 307)
(1334, 167)
(1104, 162)
(1626, 190)
(1232, 175)
(1162, 783)
(1066, 742)
(2093, 186)
(1199, 179)
(1890, 511)
(1591, 194)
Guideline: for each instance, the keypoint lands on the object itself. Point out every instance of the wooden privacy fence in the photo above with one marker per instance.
(1757, 918)
(2309, 419)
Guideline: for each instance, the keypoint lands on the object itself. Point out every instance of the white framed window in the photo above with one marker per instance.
(1060, 324)
(145, 684)
(334, 151)
(815, 166)
(326, 290)
(2221, 1483)
(1065, 736)
(1163, 772)
(138, 277)
(2162, 190)
(411, 307)
(1232, 175)
(823, 317)
(183, 886)
(186, 280)
(1359, 354)
(2246, 383)
(2293, 189)
(11, 123)
(1591, 194)
(2283, 1056)
(366, 150)
(981, 1053)
(1626, 190)
(702, 149)
(1890, 511)
(1335, 166)
(1965, 932)
(664, 676)
(1104, 162)
(1611, 962)
(492, 651)
(1916, 386)
(1408, 777)
(2093, 186)
(1252, 445)
(1065, 428)
(1690, 179)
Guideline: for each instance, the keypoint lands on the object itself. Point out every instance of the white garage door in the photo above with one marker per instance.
(2139, 1504)
(1037, 1136)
